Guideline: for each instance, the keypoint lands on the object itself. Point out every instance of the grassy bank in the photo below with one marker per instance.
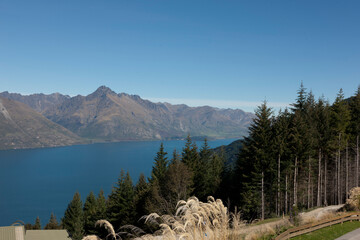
(331, 232)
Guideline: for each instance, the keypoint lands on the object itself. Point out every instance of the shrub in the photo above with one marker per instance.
(353, 203)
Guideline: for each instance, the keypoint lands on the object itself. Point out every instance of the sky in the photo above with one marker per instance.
(220, 53)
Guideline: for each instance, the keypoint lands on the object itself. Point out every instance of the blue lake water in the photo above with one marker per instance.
(36, 182)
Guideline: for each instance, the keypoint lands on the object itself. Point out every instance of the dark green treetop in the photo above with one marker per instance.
(73, 220)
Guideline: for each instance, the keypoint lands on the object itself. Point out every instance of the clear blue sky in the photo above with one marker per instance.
(220, 53)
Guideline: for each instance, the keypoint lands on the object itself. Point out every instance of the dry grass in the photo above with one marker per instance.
(319, 214)
(108, 226)
(257, 231)
(353, 202)
(91, 237)
(196, 220)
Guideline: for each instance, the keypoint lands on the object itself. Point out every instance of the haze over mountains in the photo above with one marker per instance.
(107, 116)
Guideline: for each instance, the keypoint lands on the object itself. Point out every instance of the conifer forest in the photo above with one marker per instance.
(302, 157)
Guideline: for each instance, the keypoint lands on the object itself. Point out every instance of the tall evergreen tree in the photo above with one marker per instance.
(322, 121)
(340, 120)
(141, 193)
(90, 214)
(191, 158)
(202, 172)
(121, 202)
(255, 163)
(160, 167)
(53, 224)
(37, 225)
(190, 155)
(215, 171)
(178, 185)
(101, 206)
(281, 130)
(355, 129)
(73, 220)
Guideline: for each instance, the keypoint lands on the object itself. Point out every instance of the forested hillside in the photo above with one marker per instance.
(303, 157)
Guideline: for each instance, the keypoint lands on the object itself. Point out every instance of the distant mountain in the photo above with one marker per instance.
(22, 127)
(230, 151)
(38, 102)
(107, 116)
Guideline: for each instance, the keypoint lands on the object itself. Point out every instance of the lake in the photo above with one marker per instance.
(36, 182)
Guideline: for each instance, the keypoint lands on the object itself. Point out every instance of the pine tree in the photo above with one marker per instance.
(191, 158)
(90, 214)
(141, 193)
(215, 173)
(160, 167)
(28, 226)
(37, 225)
(322, 121)
(355, 129)
(73, 220)
(101, 206)
(300, 141)
(255, 163)
(101, 213)
(340, 120)
(53, 224)
(190, 155)
(178, 185)
(121, 202)
(281, 130)
(202, 172)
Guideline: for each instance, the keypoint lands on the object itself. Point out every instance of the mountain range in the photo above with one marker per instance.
(108, 116)
(22, 127)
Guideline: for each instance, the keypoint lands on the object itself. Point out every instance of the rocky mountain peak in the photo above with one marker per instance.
(102, 91)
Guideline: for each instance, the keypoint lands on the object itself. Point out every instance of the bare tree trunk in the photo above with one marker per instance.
(318, 202)
(325, 183)
(339, 173)
(286, 193)
(312, 194)
(295, 182)
(262, 197)
(278, 189)
(357, 161)
(309, 184)
(347, 171)
(336, 180)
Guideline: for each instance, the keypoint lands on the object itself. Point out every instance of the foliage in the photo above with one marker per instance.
(120, 207)
(37, 224)
(353, 202)
(90, 213)
(296, 160)
(53, 224)
(73, 220)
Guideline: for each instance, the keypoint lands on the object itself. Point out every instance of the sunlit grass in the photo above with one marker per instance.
(331, 232)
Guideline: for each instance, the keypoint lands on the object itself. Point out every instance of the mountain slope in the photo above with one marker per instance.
(230, 151)
(106, 115)
(22, 127)
(38, 102)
